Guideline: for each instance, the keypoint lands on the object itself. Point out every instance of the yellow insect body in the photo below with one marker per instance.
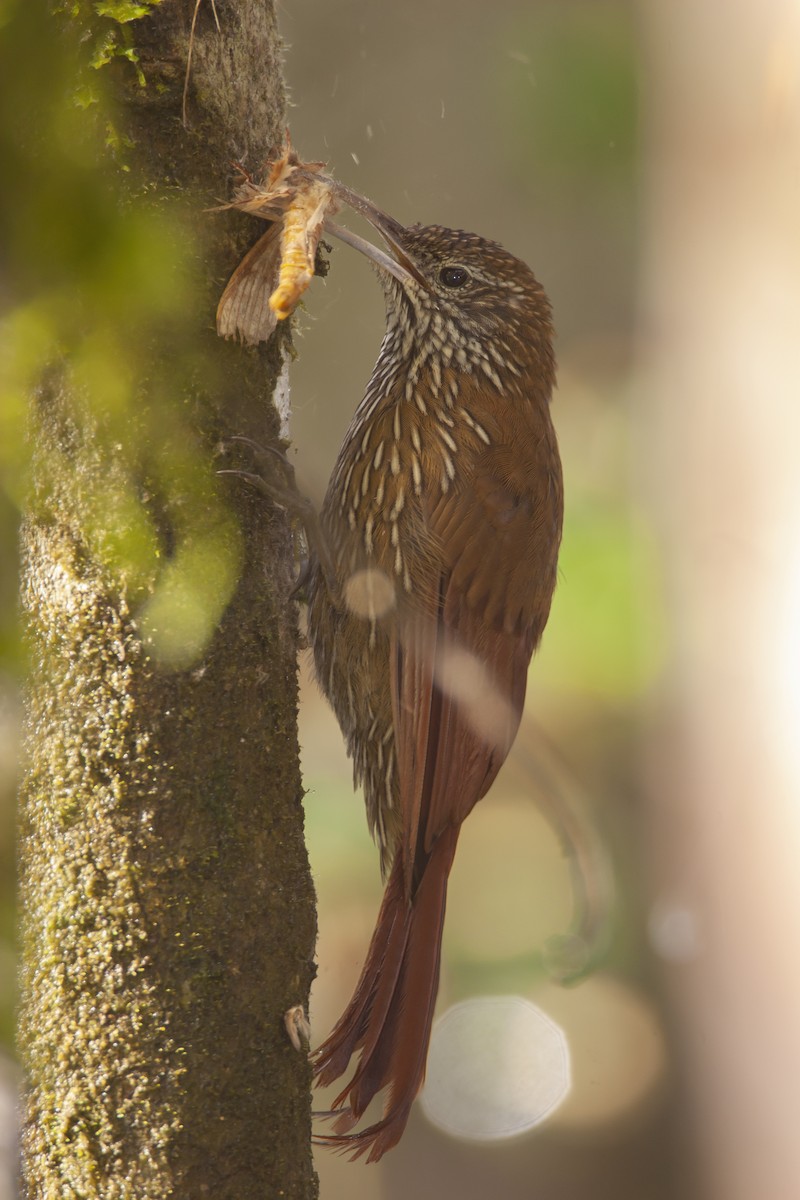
(302, 226)
(264, 289)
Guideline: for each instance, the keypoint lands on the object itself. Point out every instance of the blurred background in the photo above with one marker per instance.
(523, 122)
(645, 160)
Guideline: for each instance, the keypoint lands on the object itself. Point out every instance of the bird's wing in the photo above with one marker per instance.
(460, 652)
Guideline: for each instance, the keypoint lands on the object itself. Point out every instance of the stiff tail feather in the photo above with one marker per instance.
(390, 1015)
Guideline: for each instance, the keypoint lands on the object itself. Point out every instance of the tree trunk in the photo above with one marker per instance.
(168, 910)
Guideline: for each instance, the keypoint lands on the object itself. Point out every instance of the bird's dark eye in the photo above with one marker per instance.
(453, 277)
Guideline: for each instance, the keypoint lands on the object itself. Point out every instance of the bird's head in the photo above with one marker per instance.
(459, 287)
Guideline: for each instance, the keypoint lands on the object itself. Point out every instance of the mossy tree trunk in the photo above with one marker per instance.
(168, 911)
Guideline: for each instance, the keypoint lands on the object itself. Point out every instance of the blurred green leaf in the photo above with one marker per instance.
(103, 287)
(568, 94)
(606, 633)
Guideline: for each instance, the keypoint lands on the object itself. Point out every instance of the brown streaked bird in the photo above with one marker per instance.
(442, 521)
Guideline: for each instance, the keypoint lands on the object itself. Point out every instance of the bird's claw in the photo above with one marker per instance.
(289, 497)
(287, 494)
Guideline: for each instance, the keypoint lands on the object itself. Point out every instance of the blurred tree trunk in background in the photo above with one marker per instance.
(168, 912)
(722, 311)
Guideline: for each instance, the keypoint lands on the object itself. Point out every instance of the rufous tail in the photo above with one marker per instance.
(389, 1017)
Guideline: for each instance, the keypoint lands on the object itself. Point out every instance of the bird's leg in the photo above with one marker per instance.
(286, 493)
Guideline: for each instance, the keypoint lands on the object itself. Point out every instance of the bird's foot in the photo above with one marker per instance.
(284, 492)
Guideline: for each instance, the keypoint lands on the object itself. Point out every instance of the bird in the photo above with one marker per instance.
(442, 523)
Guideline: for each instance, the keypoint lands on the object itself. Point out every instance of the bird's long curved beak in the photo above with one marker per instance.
(397, 262)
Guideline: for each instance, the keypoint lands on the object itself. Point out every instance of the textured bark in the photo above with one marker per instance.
(168, 911)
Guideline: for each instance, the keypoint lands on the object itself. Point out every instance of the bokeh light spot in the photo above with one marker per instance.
(369, 593)
(464, 676)
(497, 1066)
(674, 931)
